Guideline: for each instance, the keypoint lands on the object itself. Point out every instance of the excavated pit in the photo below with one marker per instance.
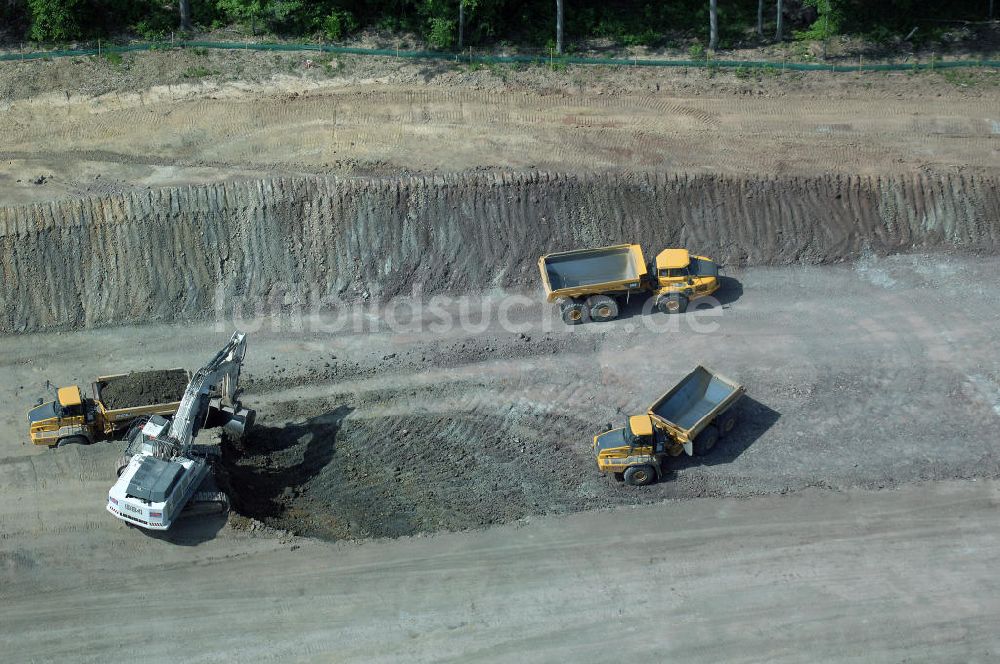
(338, 478)
(182, 253)
(345, 472)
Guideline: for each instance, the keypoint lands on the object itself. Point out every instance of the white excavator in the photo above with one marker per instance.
(162, 473)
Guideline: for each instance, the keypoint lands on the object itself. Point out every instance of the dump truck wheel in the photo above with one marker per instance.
(72, 440)
(602, 308)
(574, 312)
(640, 475)
(726, 424)
(705, 441)
(672, 304)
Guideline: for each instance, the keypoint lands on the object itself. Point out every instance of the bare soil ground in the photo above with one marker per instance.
(427, 416)
(78, 128)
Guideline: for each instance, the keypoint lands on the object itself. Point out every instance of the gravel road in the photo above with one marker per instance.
(857, 576)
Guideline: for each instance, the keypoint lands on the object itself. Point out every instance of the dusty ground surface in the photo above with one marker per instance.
(141, 388)
(86, 127)
(437, 450)
(884, 576)
(403, 420)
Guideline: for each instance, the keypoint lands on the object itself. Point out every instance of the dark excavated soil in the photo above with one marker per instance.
(337, 476)
(144, 388)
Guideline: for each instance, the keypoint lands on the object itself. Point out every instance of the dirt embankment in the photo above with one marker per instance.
(184, 252)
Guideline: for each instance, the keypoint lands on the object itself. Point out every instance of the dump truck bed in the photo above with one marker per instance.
(124, 397)
(695, 402)
(619, 267)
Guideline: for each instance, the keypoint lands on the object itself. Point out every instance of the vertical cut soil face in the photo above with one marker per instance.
(190, 252)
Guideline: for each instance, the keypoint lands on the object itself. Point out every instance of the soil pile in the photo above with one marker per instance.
(254, 247)
(144, 388)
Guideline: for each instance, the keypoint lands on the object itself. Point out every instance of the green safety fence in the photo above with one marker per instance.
(469, 57)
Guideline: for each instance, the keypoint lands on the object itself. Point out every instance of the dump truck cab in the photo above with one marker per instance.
(635, 451)
(681, 277)
(63, 421)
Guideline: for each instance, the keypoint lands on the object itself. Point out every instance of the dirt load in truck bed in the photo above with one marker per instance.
(143, 388)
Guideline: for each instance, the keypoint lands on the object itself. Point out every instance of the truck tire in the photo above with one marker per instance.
(706, 440)
(72, 440)
(602, 308)
(640, 475)
(672, 304)
(726, 423)
(574, 312)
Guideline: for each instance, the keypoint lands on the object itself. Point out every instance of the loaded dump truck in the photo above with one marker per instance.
(690, 418)
(590, 284)
(118, 401)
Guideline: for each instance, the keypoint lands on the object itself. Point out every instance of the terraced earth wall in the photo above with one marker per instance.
(171, 253)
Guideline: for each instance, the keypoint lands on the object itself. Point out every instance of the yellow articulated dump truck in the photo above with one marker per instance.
(119, 399)
(690, 418)
(589, 284)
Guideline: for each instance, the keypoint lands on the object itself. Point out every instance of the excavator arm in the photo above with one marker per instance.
(221, 377)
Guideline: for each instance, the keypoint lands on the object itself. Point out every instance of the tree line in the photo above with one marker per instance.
(448, 24)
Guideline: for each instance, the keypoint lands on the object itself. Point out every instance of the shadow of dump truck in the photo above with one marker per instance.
(753, 420)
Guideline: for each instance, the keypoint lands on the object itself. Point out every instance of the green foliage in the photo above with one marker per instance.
(150, 30)
(696, 51)
(829, 21)
(54, 20)
(330, 65)
(441, 33)
(494, 23)
(246, 12)
(113, 57)
(648, 37)
(964, 78)
(339, 24)
(198, 72)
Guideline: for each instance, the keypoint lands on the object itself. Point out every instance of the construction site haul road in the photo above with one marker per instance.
(431, 472)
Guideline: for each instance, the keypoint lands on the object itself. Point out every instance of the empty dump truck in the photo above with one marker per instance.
(119, 399)
(590, 284)
(690, 418)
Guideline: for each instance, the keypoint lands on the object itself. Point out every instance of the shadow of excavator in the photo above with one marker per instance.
(254, 471)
